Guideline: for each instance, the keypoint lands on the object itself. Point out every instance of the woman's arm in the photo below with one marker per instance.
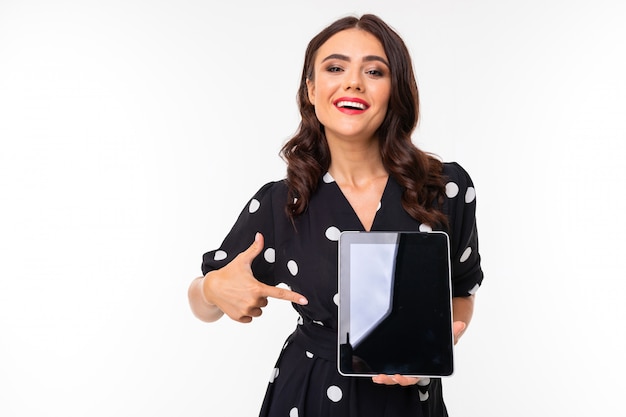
(462, 310)
(200, 307)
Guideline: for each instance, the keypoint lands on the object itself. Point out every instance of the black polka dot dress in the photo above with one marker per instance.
(304, 381)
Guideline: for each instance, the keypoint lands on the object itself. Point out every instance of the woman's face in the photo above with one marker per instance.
(351, 85)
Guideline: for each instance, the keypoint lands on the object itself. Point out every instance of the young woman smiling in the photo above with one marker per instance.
(350, 166)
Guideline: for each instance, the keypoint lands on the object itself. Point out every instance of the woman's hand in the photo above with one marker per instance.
(395, 380)
(235, 290)
(458, 327)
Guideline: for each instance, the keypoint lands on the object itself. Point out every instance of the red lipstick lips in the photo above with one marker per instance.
(351, 105)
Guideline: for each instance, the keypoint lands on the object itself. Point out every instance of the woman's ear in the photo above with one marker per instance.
(310, 86)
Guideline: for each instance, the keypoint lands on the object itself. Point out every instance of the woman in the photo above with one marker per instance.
(350, 166)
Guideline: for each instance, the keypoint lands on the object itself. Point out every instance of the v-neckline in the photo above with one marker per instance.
(354, 213)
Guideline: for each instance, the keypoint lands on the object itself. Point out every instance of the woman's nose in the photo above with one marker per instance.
(353, 82)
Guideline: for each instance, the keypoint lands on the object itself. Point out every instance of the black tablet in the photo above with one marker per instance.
(395, 304)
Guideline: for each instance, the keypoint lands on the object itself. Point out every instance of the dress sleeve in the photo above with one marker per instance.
(467, 274)
(256, 216)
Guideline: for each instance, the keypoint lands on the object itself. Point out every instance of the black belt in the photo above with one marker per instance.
(319, 340)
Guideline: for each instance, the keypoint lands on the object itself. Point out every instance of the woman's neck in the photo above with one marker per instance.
(355, 163)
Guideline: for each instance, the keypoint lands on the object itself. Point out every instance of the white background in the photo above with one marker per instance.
(133, 132)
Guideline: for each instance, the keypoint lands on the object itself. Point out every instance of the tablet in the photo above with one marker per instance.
(395, 304)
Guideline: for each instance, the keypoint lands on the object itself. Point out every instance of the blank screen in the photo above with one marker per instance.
(395, 304)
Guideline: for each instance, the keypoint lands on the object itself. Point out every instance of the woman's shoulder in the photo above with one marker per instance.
(272, 190)
(453, 172)
(273, 186)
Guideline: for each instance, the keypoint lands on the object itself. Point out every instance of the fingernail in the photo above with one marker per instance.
(303, 301)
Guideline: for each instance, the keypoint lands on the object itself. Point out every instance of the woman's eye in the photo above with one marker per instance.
(375, 73)
(334, 69)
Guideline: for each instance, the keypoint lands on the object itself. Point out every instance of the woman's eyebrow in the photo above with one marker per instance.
(366, 58)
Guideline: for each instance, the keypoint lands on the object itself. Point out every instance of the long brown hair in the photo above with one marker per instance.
(307, 154)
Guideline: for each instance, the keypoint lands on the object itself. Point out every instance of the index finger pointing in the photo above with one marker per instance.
(285, 294)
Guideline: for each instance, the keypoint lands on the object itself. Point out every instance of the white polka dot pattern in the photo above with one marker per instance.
(270, 255)
(452, 189)
(292, 266)
(423, 382)
(254, 205)
(297, 262)
(274, 374)
(466, 254)
(334, 393)
(332, 233)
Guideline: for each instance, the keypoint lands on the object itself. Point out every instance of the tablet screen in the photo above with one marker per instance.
(395, 310)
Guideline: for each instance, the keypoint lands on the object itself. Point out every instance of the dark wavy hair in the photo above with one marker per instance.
(307, 153)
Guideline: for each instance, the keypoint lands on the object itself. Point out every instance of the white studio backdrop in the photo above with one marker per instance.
(133, 132)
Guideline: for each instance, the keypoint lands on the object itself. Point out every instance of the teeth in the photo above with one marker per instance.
(351, 104)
